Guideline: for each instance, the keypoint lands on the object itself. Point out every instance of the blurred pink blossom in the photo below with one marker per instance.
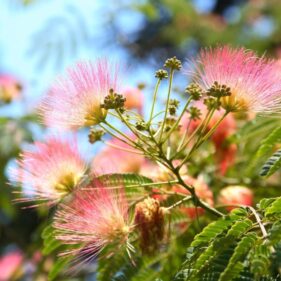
(75, 99)
(254, 84)
(114, 160)
(236, 195)
(10, 88)
(9, 263)
(96, 217)
(50, 169)
(134, 98)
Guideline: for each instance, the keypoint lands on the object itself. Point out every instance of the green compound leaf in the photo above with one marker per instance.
(274, 210)
(49, 242)
(272, 164)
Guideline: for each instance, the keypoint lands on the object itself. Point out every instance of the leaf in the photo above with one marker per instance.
(265, 203)
(59, 266)
(135, 185)
(274, 210)
(235, 264)
(214, 229)
(275, 233)
(260, 261)
(268, 143)
(272, 164)
(49, 242)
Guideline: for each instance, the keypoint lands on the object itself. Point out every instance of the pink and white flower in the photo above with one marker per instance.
(75, 99)
(10, 88)
(95, 218)
(9, 264)
(50, 170)
(134, 98)
(111, 159)
(254, 83)
(236, 195)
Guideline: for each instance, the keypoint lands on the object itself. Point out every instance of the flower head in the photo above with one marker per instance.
(134, 98)
(9, 264)
(150, 221)
(10, 88)
(108, 159)
(50, 170)
(96, 217)
(236, 195)
(75, 99)
(244, 81)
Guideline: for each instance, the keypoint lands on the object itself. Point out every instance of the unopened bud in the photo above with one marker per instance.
(195, 91)
(161, 74)
(212, 103)
(173, 106)
(95, 135)
(113, 101)
(141, 126)
(173, 63)
(194, 112)
(150, 221)
(219, 91)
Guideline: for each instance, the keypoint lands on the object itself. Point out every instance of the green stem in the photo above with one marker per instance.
(118, 131)
(127, 123)
(214, 128)
(201, 140)
(178, 121)
(114, 135)
(167, 104)
(263, 230)
(187, 198)
(153, 184)
(196, 131)
(154, 100)
(122, 148)
(196, 200)
(184, 136)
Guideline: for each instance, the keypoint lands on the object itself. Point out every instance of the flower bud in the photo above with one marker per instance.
(149, 220)
(173, 63)
(161, 74)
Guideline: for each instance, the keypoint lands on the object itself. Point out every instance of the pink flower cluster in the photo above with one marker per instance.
(49, 170)
(75, 99)
(97, 216)
(254, 81)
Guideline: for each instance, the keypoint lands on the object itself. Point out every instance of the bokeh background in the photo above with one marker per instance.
(40, 38)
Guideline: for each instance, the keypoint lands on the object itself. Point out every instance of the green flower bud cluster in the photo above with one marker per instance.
(95, 135)
(218, 90)
(113, 101)
(194, 112)
(212, 103)
(141, 126)
(173, 63)
(173, 106)
(195, 91)
(161, 74)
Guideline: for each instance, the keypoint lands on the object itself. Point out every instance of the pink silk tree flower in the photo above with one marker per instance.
(97, 217)
(75, 99)
(50, 170)
(134, 98)
(9, 264)
(236, 195)
(108, 160)
(252, 81)
(10, 88)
